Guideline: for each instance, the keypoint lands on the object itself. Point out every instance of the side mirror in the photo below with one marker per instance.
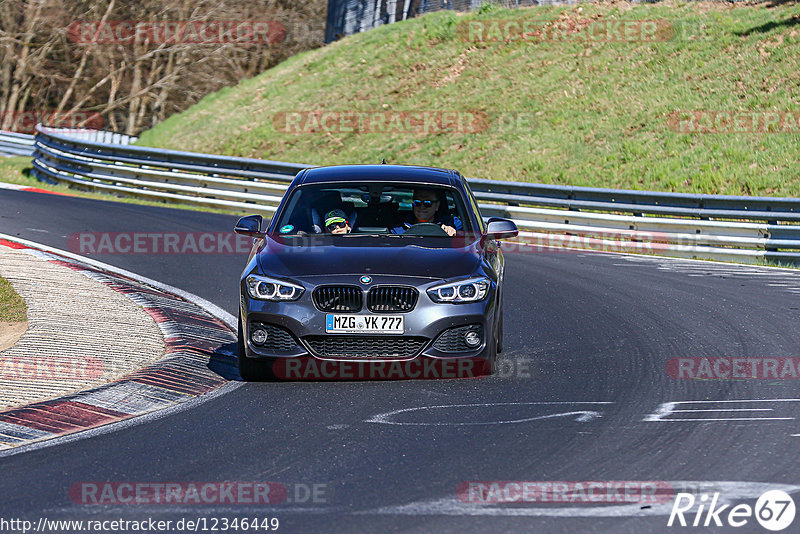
(251, 226)
(501, 229)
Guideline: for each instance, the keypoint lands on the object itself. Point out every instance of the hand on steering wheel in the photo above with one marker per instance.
(449, 230)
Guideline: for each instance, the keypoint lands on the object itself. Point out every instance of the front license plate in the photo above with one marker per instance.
(363, 324)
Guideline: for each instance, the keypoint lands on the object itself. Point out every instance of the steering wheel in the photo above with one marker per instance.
(427, 229)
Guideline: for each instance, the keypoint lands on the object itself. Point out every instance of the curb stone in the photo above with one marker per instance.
(199, 358)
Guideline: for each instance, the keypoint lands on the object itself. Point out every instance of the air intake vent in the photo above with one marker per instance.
(452, 339)
(278, 338)
(392, 299)
(338, 298)
(365, 347)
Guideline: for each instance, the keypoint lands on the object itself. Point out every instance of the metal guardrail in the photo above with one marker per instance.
(20, 144)
(16, 144)
(202, 179)
(98, 136)
(684, 225)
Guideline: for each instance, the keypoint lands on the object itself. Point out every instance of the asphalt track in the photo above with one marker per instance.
(588, 335)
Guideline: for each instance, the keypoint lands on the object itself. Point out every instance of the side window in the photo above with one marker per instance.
(474, 206)
(457, 208)
(288, 217)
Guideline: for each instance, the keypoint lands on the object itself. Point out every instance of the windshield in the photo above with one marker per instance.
(350, 209)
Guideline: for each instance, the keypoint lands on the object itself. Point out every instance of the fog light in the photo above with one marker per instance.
(258, 336)
(472, 339)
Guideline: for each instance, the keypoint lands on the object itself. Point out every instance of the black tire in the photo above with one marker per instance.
(249, 369)
(493, 357)
(500, 332)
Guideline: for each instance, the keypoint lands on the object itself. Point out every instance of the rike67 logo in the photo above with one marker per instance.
(774, 510)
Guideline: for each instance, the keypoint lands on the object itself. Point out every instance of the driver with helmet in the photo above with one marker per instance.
(426, 208)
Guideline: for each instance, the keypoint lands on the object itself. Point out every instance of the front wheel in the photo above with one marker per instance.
(493, 356)
(500, 332)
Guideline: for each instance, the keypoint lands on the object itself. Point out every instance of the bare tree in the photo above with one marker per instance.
(70, 56)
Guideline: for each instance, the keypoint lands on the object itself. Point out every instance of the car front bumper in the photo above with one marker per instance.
(426, 322)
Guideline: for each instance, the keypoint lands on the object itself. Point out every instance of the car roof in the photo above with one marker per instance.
(379, 173)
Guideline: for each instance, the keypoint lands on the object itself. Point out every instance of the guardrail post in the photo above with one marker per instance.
(768, 247)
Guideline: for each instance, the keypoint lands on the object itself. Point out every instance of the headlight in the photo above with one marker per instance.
(264, 288)
(472, 290)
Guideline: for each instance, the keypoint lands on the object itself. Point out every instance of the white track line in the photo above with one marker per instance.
(692, 262)
(210, 307)
(730, 492)
(125, 423)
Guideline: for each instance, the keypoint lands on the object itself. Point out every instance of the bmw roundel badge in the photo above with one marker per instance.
(366, 280)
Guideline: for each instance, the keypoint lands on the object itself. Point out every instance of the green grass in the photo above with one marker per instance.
(16, 170)
(597, 114)
(12, 307)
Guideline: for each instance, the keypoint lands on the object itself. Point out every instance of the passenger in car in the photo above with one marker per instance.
(336, 222)
(426, 210)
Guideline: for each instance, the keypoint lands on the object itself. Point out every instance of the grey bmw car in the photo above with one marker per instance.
(372, 271)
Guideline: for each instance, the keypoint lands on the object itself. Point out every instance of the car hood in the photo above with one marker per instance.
(433, 258)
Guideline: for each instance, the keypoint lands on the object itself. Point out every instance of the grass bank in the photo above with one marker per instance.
(552, 106)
